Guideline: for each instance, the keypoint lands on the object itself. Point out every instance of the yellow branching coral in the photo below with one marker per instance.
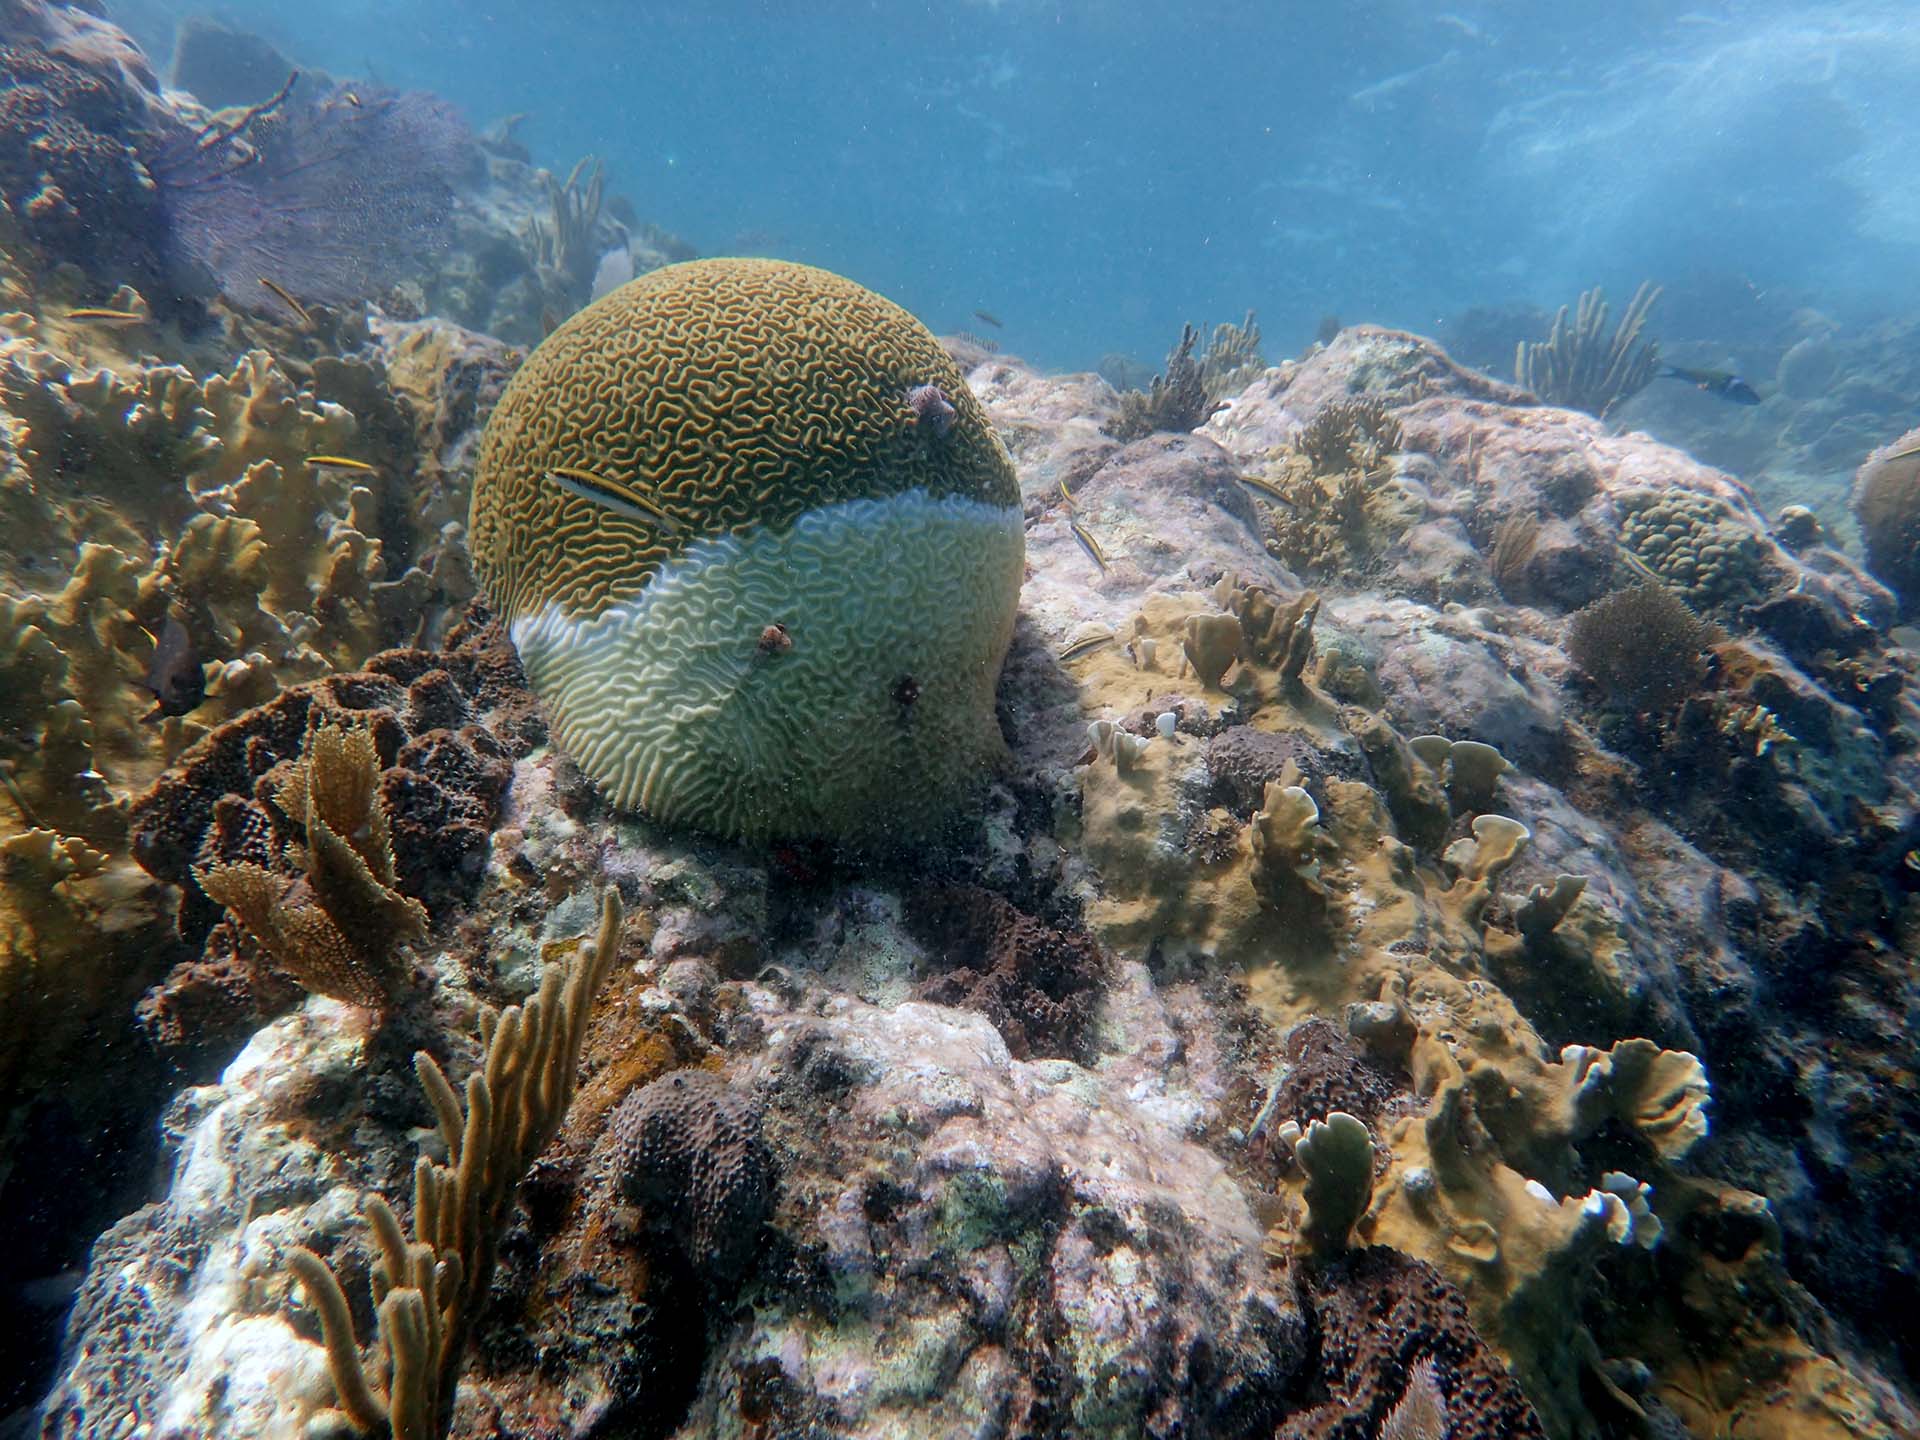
(427, 1290)
(335, 929)
(1339, 510)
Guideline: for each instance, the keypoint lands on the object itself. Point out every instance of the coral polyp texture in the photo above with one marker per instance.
(718, 449)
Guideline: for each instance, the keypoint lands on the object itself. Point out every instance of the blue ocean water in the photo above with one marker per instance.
(1097, 173)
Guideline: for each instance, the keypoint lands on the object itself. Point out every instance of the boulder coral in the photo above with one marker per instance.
(724, 451)
(1886, 503)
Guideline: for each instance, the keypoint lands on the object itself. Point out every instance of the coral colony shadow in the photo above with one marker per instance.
(595, 841)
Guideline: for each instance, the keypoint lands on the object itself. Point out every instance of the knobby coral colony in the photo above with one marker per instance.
(795, 452)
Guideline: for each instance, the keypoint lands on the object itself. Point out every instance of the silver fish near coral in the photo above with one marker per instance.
(931, 409)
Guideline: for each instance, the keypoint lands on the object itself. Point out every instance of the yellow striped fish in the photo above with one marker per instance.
(616, 495)
(100, 315)
(341, 462)
(1638, 566)
(1089, 544)
(281, 294)
(1085, 645)
(1267, 490)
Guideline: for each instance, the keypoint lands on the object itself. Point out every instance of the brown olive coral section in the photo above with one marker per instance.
(1379, 1316)
(731, 392)
(1037, 984)
(446, 727)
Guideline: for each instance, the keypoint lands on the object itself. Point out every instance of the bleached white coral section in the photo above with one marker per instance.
(874, 705)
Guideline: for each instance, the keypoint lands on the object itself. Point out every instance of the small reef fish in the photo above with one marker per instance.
(1083, 646)
(1066, 494)
(8, 784)
(1089, 544)
(280, 293)
(1638, 566)
(616, 495)
(1906, 454)
(175, 677)
(342, 462)
(1724, 383)
(987, 317)
(99, 315)
(1267, 490)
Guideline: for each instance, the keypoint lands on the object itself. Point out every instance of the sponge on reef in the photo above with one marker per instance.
(790, 618)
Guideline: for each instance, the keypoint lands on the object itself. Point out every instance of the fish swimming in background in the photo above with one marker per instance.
(987, 317)
(175, 676)
(1724, 383)
(99, 315)
(1267, 490)
(280, 293)
(342, 462)
(616, 495)
(1089, 544)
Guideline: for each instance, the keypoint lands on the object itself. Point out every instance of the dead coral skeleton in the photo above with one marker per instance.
(1579, 367)
(427, 1291)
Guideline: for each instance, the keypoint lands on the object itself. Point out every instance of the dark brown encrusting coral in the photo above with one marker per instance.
(1243, 761)
(1642, 646)
(446, 726)
(79, 189)
(1326, 1073)
(687, 1147)
(1379, 1315)
(1037, 984)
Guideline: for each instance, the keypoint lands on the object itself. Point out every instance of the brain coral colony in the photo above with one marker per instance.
(759, 550)
(1433, 957)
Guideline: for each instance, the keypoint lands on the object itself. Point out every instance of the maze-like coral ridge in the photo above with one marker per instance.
(733, 392)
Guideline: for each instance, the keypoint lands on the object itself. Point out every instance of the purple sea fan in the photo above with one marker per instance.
(334, 199)
(931, 409)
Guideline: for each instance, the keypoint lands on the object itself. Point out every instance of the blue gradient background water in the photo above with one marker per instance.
(1097, 173)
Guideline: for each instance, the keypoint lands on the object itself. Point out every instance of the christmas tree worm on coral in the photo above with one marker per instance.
(427, 1291)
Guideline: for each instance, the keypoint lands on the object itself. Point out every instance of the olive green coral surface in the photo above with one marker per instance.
(737, 394)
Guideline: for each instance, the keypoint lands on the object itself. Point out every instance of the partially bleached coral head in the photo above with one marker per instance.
(728, 449)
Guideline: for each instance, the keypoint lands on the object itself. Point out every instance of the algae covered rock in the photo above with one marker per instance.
(761, 580)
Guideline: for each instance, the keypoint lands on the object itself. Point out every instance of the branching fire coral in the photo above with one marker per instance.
(1232, 360)
(1336, 510)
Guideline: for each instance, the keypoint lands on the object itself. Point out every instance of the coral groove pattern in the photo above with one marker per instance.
(763, 409)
